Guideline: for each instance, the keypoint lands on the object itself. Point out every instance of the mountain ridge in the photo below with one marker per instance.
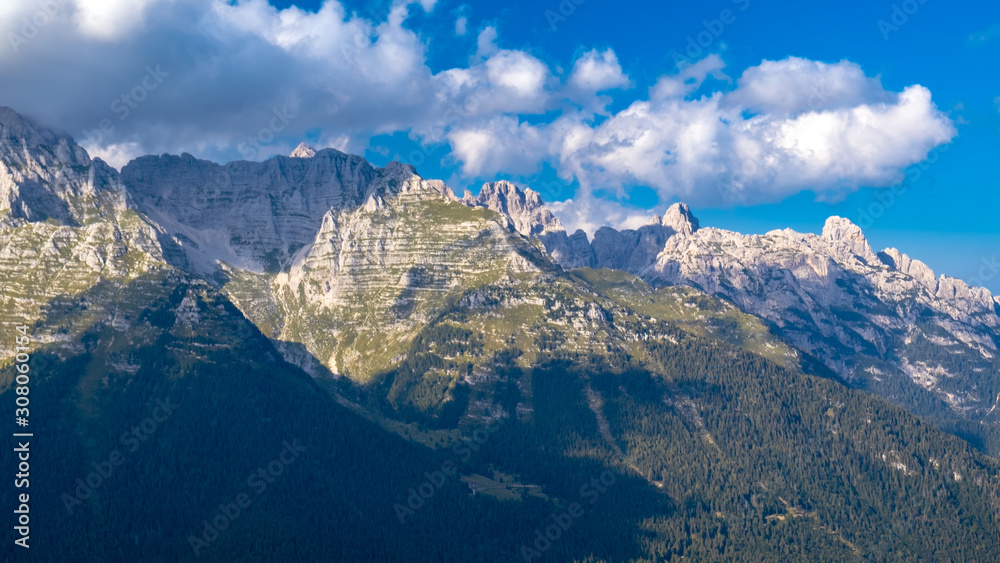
(881, 321)
(412, 328)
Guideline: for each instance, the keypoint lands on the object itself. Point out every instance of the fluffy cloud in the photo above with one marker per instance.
(597, 71)
(689, 79)
(228, 79)
(110, 19)
(795, 85)
(230, 66)
(589, 213)
(499, 144)
(788, 125)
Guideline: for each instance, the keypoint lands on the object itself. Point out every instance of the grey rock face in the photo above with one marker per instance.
(524, 209)
(915, 268)
(871, 318)
(321, 238)
(631, 250)
(679, 218)
(45, 175)
(303, 151)
(843, 234)
(569, 251)
(65, 232)
(636, 250)
(338, 261)
(882, 320)
(254, 215)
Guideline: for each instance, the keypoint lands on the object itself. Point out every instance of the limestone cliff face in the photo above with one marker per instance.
(45, 175)
(332, 257)
(523, 208)
(252, 215)
(882, 320)
(635, 250)
(340, 262)
(376, 274)
(631, 250)
(65, 233)
(832, 285)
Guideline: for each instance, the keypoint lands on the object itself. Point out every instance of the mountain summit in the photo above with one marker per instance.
(679, 218)
(528, 215)
(45, 174)
(303, 151)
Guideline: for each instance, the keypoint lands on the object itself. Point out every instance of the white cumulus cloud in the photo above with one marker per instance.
(110, 19)
(598, 71)
(226, 79)
(788, 126)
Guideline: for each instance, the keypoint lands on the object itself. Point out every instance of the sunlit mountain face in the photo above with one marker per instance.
(435, 281)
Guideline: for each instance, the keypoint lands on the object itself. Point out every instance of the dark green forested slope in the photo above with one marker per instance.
(678, 447)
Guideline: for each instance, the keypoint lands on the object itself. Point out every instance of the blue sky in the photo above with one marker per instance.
(388, 90)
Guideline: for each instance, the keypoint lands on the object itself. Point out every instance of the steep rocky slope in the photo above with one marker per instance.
(333, 258)
(65, 229)
(46, 175)
(881, 321)
(630, 250)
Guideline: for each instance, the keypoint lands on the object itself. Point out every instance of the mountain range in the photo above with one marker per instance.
(880, 321)
(673, 391)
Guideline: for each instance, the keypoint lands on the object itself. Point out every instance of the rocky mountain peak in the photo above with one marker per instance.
(20, 135)
(14, 126)
(45, 174)
(915, 268)
(303, 151)
(395, 168)
(839, 230)
(679, 218)
(524, 208)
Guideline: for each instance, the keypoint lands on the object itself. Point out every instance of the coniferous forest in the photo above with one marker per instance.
(697, 450)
